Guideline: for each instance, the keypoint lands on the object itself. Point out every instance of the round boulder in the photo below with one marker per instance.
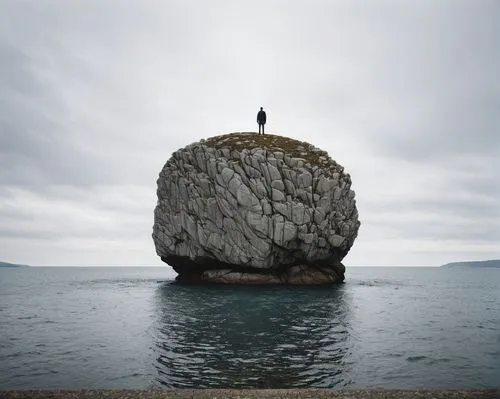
(254, 209)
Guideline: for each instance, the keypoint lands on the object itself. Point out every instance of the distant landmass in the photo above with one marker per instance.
(5, 264)
(475, 264)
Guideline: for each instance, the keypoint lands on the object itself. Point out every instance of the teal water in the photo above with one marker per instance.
(134, 328)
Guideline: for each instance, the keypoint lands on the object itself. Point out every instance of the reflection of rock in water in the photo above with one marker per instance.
(227, 337)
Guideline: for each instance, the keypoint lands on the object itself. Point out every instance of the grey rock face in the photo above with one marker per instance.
(237, 206)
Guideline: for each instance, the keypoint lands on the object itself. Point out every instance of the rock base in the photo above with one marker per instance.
(295, 275)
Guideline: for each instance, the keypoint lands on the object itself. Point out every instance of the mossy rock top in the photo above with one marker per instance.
(251, 140)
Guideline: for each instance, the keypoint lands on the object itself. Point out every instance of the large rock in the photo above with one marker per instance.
(254, 209)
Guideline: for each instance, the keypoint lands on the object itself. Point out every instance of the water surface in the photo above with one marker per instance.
(134, 328)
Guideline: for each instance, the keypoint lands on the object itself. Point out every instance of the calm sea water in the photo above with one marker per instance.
(133, 328)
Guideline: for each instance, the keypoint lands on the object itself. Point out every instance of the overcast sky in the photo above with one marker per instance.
(95, 95)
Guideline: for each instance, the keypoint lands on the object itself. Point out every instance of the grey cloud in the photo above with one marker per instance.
(440, 228)
(452, 98)
(95, 96)
(484, 211)
(34, 145)
(62, 84)
(60, 212)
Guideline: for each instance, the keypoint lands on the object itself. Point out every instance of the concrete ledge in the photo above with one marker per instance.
(249, 393)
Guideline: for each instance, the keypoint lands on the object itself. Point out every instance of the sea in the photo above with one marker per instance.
(410, 328)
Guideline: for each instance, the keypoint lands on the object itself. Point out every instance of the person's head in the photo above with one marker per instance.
(261, 108)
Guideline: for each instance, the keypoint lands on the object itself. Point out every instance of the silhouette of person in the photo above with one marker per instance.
(261, 119)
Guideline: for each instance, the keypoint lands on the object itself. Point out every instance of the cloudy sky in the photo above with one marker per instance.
(95, 95)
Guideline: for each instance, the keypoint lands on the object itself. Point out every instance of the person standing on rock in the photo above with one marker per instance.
(261, 119)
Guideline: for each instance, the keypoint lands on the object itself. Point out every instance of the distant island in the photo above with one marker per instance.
(5, 264)
(475, 264)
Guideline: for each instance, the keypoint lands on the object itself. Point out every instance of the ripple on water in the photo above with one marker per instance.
(389, 328)
(416, 358)
(261, 343)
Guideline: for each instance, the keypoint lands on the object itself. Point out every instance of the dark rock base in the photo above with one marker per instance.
(210, 271)
(297, 275)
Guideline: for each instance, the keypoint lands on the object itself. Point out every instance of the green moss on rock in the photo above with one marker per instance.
(274, 143)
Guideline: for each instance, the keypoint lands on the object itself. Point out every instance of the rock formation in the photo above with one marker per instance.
(254, 209)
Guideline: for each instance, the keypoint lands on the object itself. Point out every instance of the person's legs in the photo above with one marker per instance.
(263, 128)
(259, 127)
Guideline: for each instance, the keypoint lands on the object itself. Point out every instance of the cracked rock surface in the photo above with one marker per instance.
(254, 209)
